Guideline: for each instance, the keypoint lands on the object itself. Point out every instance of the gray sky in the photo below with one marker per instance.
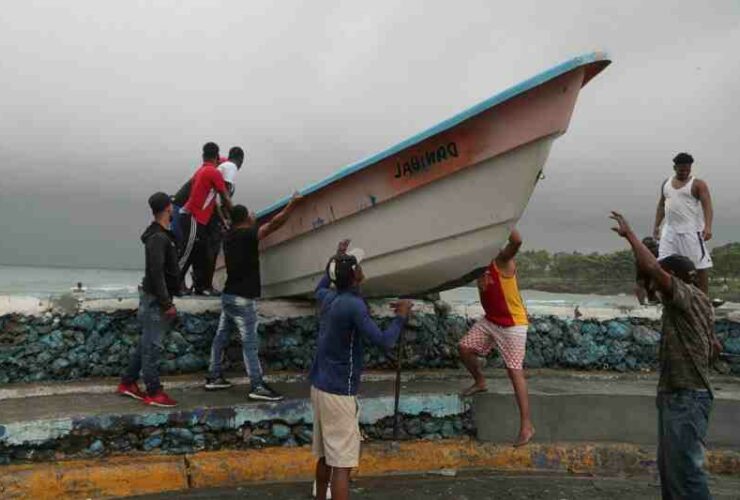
(104, 102)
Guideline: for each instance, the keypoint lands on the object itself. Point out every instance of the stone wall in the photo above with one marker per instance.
(211, 434)
(97, 344)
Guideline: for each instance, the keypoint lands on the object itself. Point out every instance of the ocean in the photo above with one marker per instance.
(42, 282)
(45, 282)
(48, 282)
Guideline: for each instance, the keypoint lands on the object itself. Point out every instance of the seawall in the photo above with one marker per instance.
(97, 343)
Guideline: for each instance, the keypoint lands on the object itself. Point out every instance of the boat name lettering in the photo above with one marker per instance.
(422, 162)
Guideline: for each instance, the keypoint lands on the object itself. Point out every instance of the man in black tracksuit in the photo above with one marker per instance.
(156, 309)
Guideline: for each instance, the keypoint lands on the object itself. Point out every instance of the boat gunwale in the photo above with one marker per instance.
(509, 93)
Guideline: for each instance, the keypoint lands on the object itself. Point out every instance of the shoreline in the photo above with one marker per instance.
(68, 303)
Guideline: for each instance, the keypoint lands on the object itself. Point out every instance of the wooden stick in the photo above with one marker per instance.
(396, 413)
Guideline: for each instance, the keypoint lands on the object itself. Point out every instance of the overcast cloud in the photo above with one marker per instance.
(104, 102)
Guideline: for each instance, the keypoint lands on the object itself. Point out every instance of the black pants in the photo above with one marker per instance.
(213, 249)
(193, 249)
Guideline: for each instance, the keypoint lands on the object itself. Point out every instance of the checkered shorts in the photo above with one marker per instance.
(511, 342)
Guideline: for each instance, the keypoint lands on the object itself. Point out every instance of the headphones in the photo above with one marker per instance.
(340, 260)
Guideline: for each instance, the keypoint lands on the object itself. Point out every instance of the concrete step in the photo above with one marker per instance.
(53, 419)
(597, 408)
(65, 421)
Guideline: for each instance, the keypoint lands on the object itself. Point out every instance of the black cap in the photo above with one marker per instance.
(158, 202)
(679, 265)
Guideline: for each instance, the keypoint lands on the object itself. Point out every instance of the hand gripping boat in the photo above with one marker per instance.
(431, 210)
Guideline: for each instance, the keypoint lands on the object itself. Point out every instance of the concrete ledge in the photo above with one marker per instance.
(122, 476)
(606, 412)
(114, 477)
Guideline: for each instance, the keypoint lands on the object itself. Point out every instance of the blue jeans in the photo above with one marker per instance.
(683, 418)
(240, 313)
(145, 359)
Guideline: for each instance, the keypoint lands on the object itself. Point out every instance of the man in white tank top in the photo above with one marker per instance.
(685, 211)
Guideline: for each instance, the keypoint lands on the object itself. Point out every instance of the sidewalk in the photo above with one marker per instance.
(477, 485)
(567, 406)
(81, 440)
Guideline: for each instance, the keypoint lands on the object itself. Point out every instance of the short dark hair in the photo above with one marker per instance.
(239, 214)
(159, 201)
(341, 270)
(680, 266)
(651, 244)
(683, 159)
(236, 153)
(210, 151)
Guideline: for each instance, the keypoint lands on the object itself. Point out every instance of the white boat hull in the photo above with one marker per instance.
(435, 208)
(422, 239)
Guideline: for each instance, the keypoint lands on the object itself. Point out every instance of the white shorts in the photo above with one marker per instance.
(336, 428)
(689, 245)
(511, 341)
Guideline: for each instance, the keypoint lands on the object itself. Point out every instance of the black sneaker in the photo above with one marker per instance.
(217, 383)
(264, 393)
(208, 292)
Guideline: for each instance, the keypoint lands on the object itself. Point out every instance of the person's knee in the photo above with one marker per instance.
(465, 350)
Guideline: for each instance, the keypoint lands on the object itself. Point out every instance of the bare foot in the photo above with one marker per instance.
(474, 389)
(525, 436)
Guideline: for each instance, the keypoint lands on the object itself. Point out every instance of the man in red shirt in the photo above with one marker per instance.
(504, 327)
(207, 185)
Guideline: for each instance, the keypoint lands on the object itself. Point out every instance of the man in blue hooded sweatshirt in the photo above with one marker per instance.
(344, 320)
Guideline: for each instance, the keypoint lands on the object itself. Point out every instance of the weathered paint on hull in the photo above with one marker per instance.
(421, 240)
(434, 211)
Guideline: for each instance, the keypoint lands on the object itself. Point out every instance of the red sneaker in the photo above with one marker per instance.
(160, 398)
(131, 390)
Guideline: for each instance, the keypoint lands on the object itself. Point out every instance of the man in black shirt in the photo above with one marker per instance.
(156, 310)
(238, 301)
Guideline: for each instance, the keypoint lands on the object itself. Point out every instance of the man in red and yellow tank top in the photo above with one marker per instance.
(504, 327)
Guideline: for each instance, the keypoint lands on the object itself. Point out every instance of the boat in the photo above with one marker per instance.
(431, 211)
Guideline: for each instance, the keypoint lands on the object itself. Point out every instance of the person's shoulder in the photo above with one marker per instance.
(355, 301)
(688, 292)
(160, 238)
(243, 232)
(227, 167)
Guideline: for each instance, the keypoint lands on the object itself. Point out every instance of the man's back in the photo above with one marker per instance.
(241, 252)
(343, 319)
(207, 181)
(685, 350)
(500, 297)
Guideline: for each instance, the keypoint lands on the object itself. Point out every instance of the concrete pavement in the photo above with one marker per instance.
(468, 486)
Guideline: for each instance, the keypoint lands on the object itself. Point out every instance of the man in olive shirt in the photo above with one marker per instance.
(688, 345)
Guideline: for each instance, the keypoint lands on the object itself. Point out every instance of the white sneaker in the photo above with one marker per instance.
(328, 491)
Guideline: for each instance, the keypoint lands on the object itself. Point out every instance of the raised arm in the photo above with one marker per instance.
(646, 261)
(226, 200)
(222, 215)
(702, 193)
(281, 218)
(659, 213)
(370, 330)
(511, 248)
